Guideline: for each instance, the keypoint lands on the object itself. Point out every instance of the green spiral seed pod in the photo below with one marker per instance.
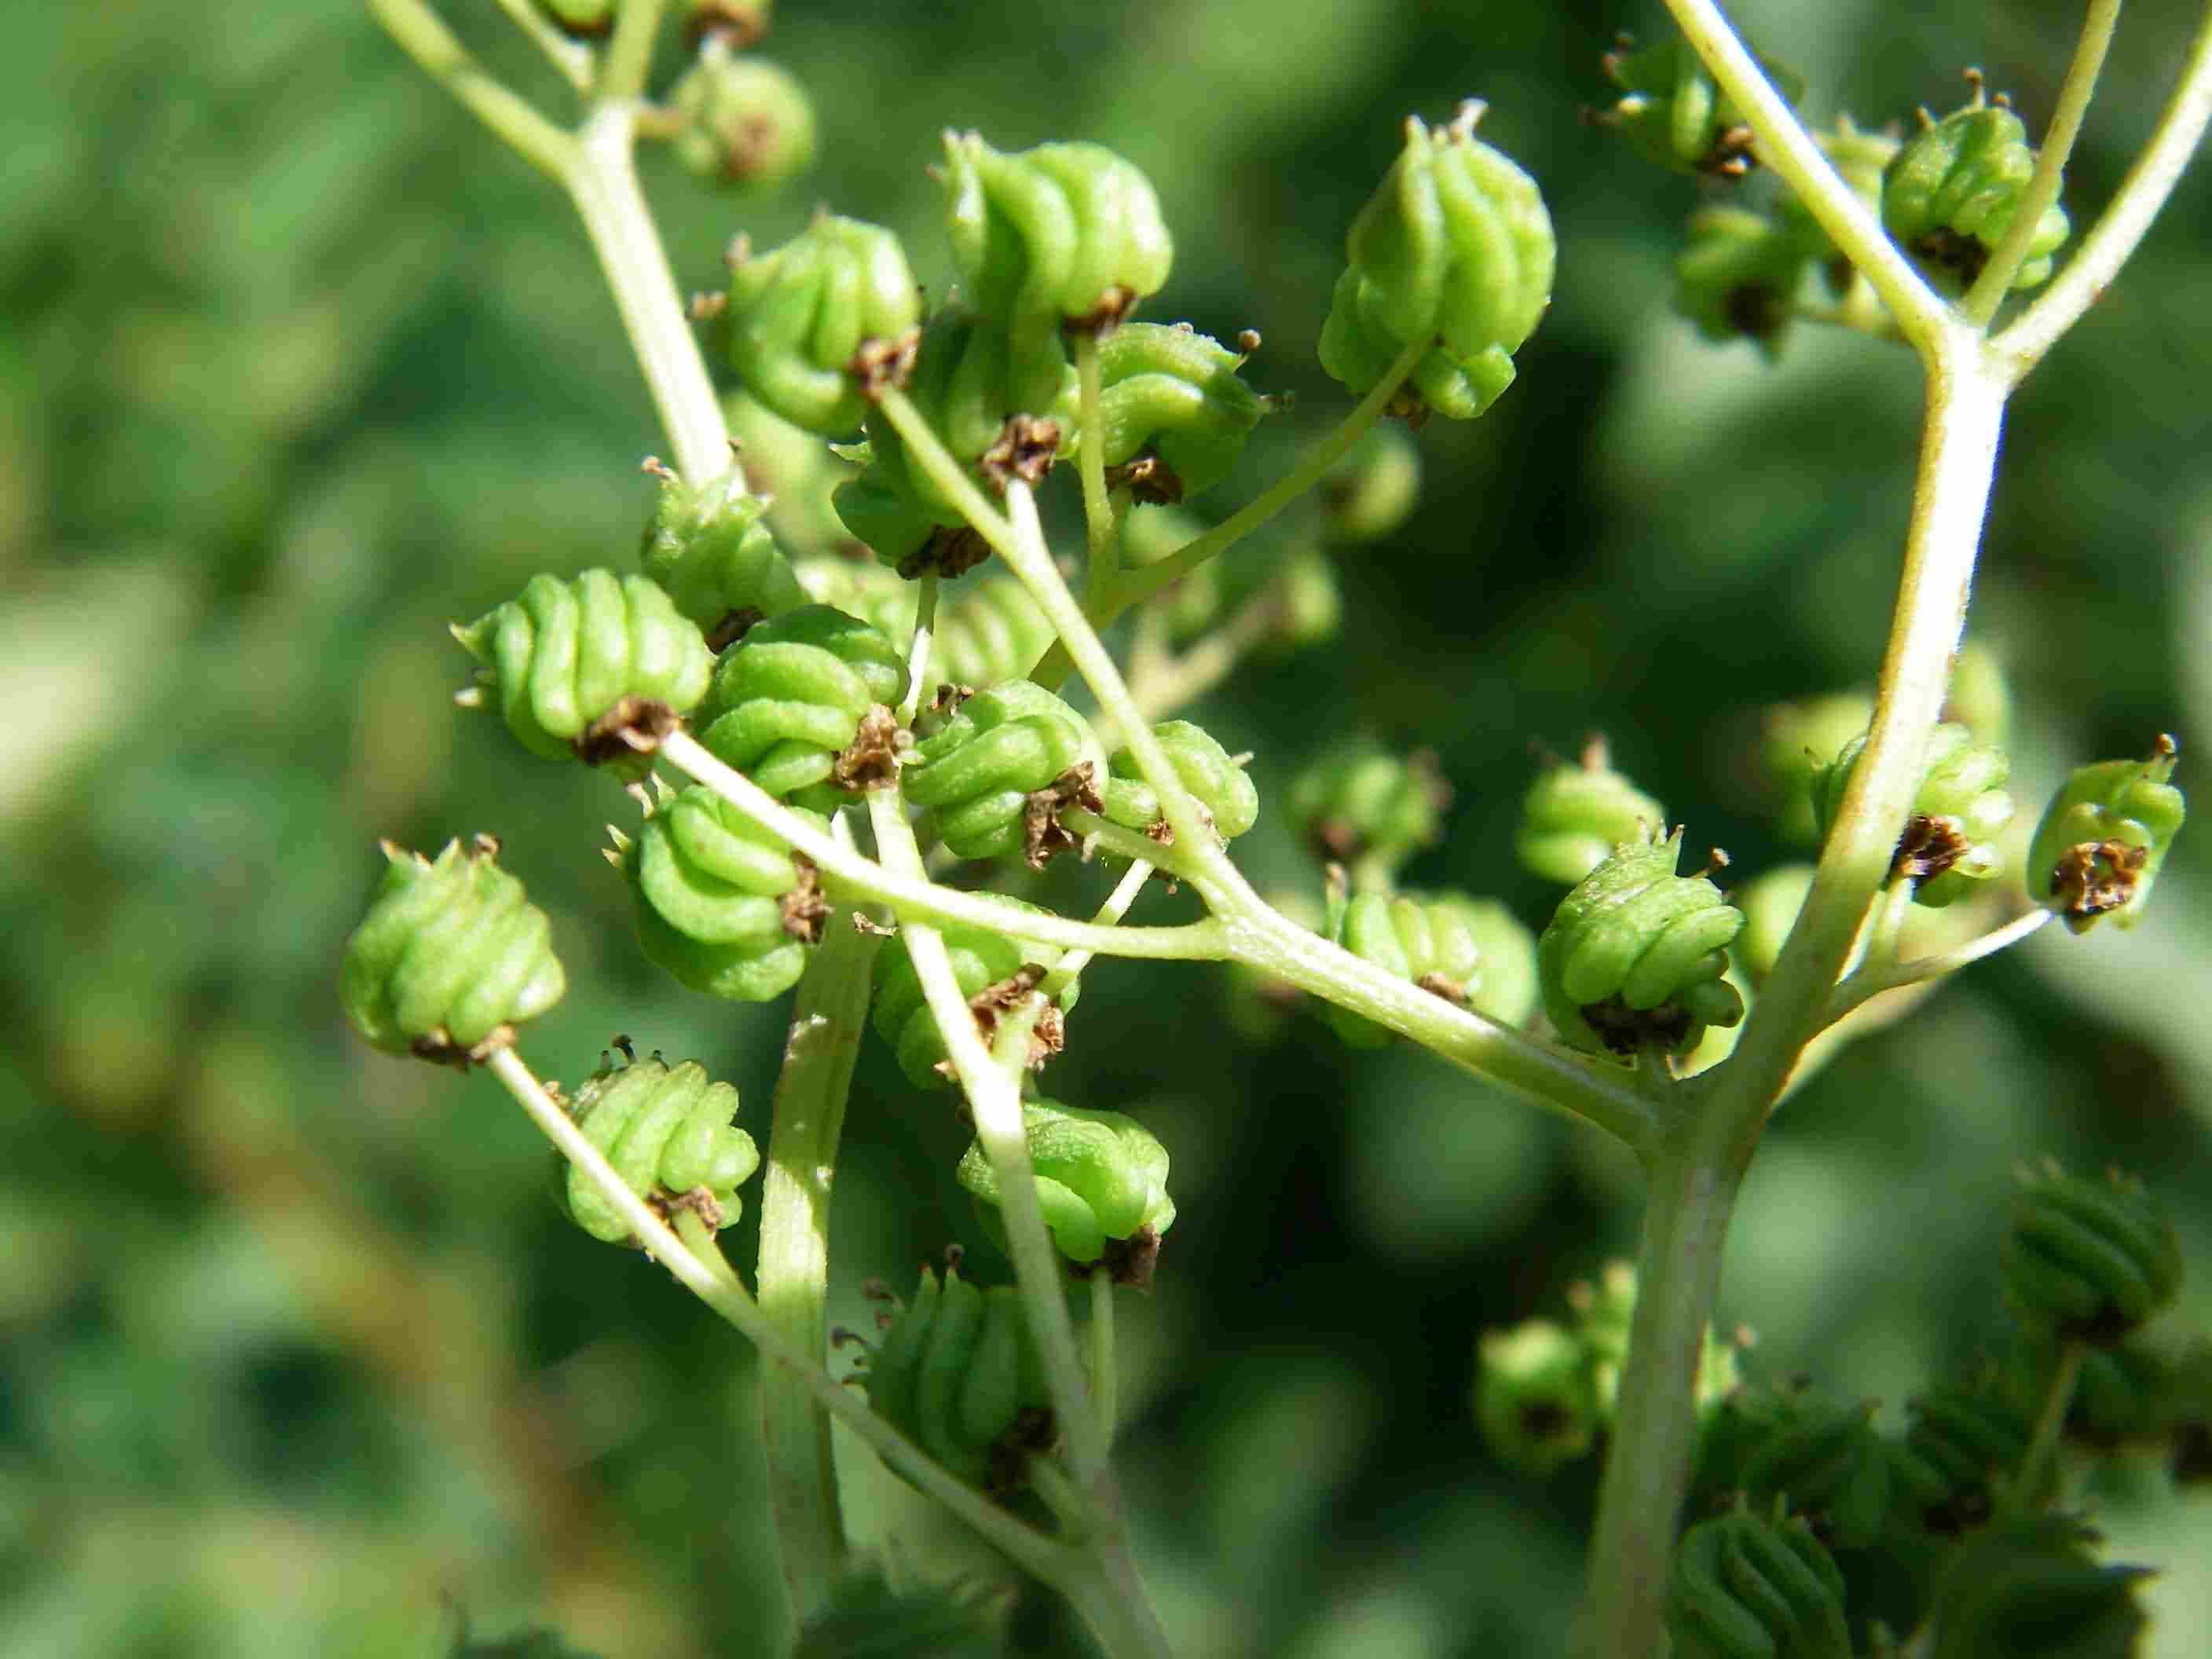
(709, 550)
(1950, 193)
(1574, 814)
(1468, 950)
(1738, 277)
(1531, 1396)
(803, 703)
(1373, 489)
(1973, 1435)
(1215, 781)
(2090, 1260)
(1060, 235)
(1770, 903)
(999, 768)
(987, 630)
(583, 17)
(991, 971)
(720, 904)
(2127, 1395)
(1672, 111)
(1747, 1586)
(798, 317)
(1860, 158)
(1456, 248)
(2104, 836)
(1949, 844)
(562, 654)
(1372, 808)
(742, 122)
(1172, 416)
(1101, 1180)
(957, 1372)
(1828, 1461)
(2031, 1588)
(1634, 956)
(667, 1131)
(449, 957)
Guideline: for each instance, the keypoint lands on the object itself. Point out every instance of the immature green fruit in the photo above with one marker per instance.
(709, 548)
(994, 972)
(1574, 814)
(1749, 1586)
(1770, 903)
(743, 123)
(1634, 956)
(1470, 951)
(998, 769)
(1172, 416)
(957, 1372)
(1826, 1460)
(1531, 1396)
(667, 1131)
(1372, 808)
(1738, 277)
(1859, 158)
(986, 630)
(1673, 112)
(584, 17)
(1373, 487)
(1101, 1180)
(1222, 787)
(564, 655)
(1061, 234)
(1949, 842)
(1951, 193)
(1456, 249)
(450, 957)
(2031, 1588)
(802, 705)
(1973, 1436)
(2090, 1260)
(2103, 838)
(2131, 1394)
(720, 902)
(798, 318)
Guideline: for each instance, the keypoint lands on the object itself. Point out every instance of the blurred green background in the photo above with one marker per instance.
(294, 1346)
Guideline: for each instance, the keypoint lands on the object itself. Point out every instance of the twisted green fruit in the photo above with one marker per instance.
(1949, 844)
(742, 122)
(1951, 192)
(994, 973)
(667, 1131)
(709, 548)
(802, 704)
(1373, 487)
(1738, 277)
(2129, 1394)
(1063, 233)
(562, 655)
(2104, 836)
(1172, 416)
(1829, 1463)
(999, 768)
(1531, 1396)
(2031, 1588)
(1634, 956)
(1360, 803)
(798, 319)
(1456, 249)
(449, 957)
(1747, 1586)
(957, 1372)
(1673, 112)
(1574, 816)
(1973, 1436)
(2090, 1260)
(1101, 1180)
(986, 630)
(1468, 950)
(1215, 780)
(720, 904)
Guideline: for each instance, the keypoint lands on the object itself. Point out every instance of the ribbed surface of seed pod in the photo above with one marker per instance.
(1576, 812)
(1173, 413)
(1749, 1586)
(999, 768)
(2103, 838)
(1471, 952)
(1101, 1180)
(713, 555)
(958, 1374)
(991, 969)
(1673, 112)
(2089, 1259)
(789, 701)
(1215, 779)
(667, 1131)
(797, 316)
(1951, 191)
(1949, 843)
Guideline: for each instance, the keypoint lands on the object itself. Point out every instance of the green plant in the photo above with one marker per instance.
(1448, 272)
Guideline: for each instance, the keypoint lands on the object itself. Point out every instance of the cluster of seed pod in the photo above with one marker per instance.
(667, 1131)
(1368, 807)
(1001, 767)
(985, 630)
(1468, 950)
(2031, 1587)
(1102, 1180)
(1173, 413)
(2090, 1260)
(2104, 836)
(450, 957)
(1748, 1585)
(1965, 1446)
(797, 319)
(1215, 778)
(994, 972)
(1576, 812)
(1952, 190)
(709, 550)
(1673, 112)
(1949, 843)
(802, 705)
(1821, 1456)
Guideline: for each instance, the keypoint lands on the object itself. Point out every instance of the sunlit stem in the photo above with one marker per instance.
(1090, 467)
(1117, 906)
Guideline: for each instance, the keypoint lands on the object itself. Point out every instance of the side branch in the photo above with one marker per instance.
(425, 37)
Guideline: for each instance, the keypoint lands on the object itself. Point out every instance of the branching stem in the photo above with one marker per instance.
(1877, 978)
(426, 39)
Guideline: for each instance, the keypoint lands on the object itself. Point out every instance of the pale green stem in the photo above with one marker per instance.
(926, 450)
(915, 899)
(1090, 466)
(426, 39)
(1160, 687)
(1102, 836)
(630, 54)
(827, 1018)
(1105, 1376)
(917, 646)
(1117, 906)
(2049, 1427)
(2142, 193)
(603, 182)
(699, 1239)
(1059, 1496)
(1872, 980)
(573, 58)
(1989, 288)
(1921, 314)
(1056, 1564)
(1896, 904)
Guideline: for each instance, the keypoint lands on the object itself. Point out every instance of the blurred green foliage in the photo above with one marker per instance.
(296, 1354)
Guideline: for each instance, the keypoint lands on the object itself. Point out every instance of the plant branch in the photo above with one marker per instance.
(1117, 906)
(2050, 1424)
(1105, 1378)
(1873, 980)
(573, 58)
(2142, 194)
(630, 54)
(917, 646)
(1090, 466)
(425, 37)
(1989, 288)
